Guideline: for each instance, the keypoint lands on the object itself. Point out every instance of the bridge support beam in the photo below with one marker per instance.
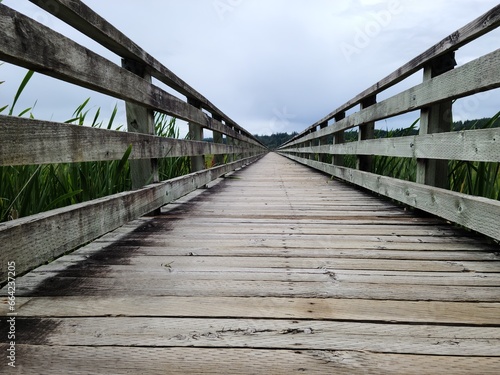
(436, 119)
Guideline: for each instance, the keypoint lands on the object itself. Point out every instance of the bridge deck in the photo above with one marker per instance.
(275, 270)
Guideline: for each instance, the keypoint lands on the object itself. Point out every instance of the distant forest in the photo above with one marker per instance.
(275, 140)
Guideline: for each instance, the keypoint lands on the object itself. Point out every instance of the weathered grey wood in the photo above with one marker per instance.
(26, 141)
(423, 312)
(68, 61)
(473, 30)
(181, 361)
(476, 76)
(366, 131)
(57, 231)
(140, 120)
(196, 134)
(476, 213)
(218, 139)
(436, 119)
(338, 139)
(285, 334)
(84, 19)
(471, 145)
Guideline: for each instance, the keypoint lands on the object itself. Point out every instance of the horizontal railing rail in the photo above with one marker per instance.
(323, 145)
(33, 240)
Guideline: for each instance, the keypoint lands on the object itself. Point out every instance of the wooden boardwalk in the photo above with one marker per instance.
(275, 270)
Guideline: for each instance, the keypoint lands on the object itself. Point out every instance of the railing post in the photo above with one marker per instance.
(436, 119)
(366, 131)
(218, 159)
(140, 120)
(196, 134)
(236, 143)
(338, 139)
(322, 141)
(230, 142)
(310, 144)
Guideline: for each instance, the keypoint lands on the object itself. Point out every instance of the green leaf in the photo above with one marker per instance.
(62, 198)
(24, 112)
(21, 88)
(113, 115)
(121, 165)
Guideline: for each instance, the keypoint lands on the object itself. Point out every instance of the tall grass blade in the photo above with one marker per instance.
(20, 90)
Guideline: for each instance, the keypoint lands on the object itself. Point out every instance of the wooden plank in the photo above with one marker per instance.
(423, 312)
(57, 360)
(473, 145)
(81, 66)
(57, 231)
(473, 30)
(85, 20)
(48, 285)
(257, 333)
(476, 76)
(474, 279)
(299, 252)
(476, 213)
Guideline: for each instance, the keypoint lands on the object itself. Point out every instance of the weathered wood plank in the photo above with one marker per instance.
(430, 312)
(152, 287)
(57, 231)
(58, 359)
(133, 273)
(257, 333)
(476, 76)
(476, 213)
(29, 142)
(473, 145)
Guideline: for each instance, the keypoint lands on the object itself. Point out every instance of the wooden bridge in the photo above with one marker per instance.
(260, 264)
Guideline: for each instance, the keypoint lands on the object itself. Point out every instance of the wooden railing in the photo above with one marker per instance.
(432, 148)
(33, 240)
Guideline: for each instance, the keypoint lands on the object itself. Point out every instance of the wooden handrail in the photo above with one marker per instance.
(473, 30)
(435, 145)
(27, 43)
(85, 20)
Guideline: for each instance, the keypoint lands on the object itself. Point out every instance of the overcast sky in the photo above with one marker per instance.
(271, 65)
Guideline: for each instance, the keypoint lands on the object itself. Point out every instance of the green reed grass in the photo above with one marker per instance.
(31, 189)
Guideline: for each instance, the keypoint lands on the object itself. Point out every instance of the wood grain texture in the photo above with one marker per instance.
(181, 361)
(29, 142)
(423, 312)
(474, 145)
